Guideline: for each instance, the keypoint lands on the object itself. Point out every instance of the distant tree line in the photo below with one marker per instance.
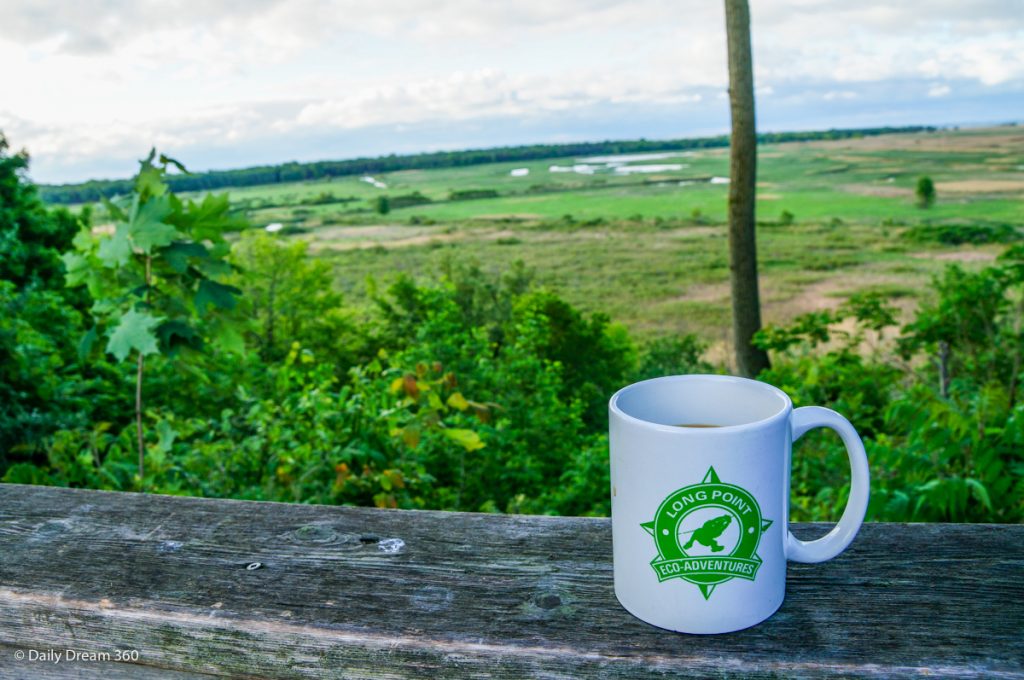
(95, 190)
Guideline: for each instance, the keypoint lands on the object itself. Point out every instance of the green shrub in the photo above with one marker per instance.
(943, 437)
(959, 234)
(925, 192)
(471, 194)
(671, 355)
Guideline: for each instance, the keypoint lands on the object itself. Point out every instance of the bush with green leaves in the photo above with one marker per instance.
(44, 385)
(924, 191)
(958, 234)
(941, 420)
(31, 236)
(290, 297)
(672, 355)
(494, 336)
(156, 280)
(309, 439)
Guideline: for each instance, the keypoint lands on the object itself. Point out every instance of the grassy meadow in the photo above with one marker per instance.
(649, 247)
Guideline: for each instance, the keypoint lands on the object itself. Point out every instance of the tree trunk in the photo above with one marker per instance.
(746, 305)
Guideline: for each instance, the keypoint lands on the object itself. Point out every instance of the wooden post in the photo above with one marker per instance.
(746, 304)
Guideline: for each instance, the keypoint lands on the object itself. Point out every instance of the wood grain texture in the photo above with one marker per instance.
(364, 593)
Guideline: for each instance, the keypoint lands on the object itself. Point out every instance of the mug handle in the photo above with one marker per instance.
(835, 541)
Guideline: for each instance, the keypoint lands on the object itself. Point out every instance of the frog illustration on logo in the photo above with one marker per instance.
(707, 534)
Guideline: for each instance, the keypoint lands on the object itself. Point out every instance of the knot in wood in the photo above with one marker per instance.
(315, 533)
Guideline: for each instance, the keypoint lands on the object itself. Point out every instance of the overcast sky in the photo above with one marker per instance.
(88, 86)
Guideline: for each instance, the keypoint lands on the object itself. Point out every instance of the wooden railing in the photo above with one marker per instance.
(146, 586)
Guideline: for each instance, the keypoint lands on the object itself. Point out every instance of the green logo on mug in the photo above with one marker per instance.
(707, 534)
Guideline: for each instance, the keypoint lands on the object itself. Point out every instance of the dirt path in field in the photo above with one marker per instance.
(778, 307)
(781, 302)
(981, 186)
(390, 236)
(880, 190)
(957, 256)
(395, 236)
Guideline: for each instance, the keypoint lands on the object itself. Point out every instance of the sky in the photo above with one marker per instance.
(88, 86)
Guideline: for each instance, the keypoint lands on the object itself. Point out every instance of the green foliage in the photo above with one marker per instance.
(381, 205)
(958, 234)
(136, 331)
(965, 326)
(471, 194)
(594, 355)
(925, 192)
(473, 391)
(155, 280)
(475, 400)
(31, 237)
(673, 355)
(408, 200)
(290, 297)
(943, 431)
(307, 438)
(43, 384)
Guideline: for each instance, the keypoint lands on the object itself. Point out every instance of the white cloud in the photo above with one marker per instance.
(482, 93)
(86, 79)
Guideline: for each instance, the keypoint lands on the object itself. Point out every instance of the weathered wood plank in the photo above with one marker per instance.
(356, 592)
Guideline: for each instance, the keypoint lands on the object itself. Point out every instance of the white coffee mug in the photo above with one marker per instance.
(700, 514)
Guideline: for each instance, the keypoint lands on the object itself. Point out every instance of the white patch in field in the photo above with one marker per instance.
(374, 182)
(630, 157)
(579, 168)
(620, 164)
(655, 167)
(274, 227)
(520, 172)
(719, 180)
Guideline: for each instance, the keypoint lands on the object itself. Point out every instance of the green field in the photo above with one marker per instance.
(650, 248)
